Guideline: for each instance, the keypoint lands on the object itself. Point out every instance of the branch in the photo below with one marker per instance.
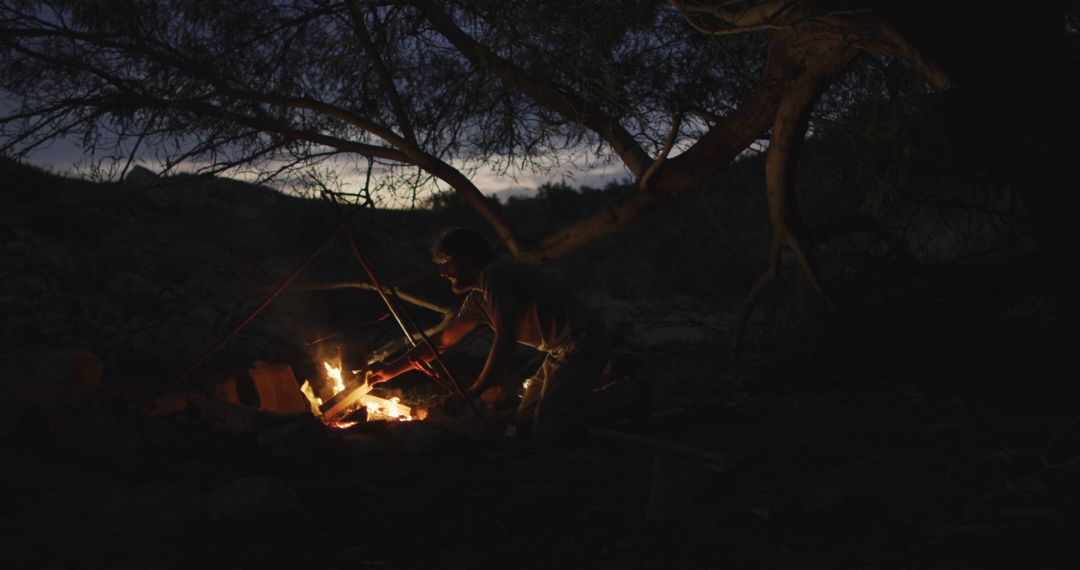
(681, 174)
(752, 17)
(711, 153)
(676, 122)
(404, 151)
(200, 72)
(384, 75)
(566, 103)
(407, 297)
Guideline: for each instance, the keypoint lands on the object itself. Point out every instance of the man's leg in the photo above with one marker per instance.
(566, 392)
(530, 397)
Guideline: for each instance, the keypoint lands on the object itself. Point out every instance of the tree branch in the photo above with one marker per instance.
(676, 122)
(384, 75)
(404, 296)
(566, 103)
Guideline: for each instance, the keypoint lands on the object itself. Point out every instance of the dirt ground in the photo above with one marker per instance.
(826, 470)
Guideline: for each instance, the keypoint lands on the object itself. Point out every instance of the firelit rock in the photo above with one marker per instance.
(79, 367)
(277, 388)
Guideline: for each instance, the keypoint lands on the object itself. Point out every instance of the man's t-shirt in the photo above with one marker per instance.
(548, 314)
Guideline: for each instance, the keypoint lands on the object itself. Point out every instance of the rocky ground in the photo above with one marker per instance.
(872, 455)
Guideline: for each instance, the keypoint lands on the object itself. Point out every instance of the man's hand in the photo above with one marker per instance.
(453, 404)
(380, 373)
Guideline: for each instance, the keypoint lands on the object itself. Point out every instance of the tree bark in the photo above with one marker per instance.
(819, 63)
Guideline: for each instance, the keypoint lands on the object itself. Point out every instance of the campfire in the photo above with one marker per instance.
(352, 402)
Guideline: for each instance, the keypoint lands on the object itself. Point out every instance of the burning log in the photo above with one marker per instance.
(377, 408)
(342, 401)
(346, 399)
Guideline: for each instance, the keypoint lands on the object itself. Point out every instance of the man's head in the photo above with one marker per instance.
(462, 254)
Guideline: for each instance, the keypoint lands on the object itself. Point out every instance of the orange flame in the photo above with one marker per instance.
(378, 408)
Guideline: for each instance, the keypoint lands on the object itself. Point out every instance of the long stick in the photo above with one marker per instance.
(718, 461)
(254, 313)
(443, 369)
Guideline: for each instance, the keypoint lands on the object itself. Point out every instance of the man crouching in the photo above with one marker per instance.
(521, 304)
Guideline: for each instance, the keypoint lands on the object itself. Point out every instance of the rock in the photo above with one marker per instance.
(246, 213)
(87, 369)
(671, 335)
(174, 402)
(232, 418)
(277, 388)
(140, 177)
(54, 366)
(416, 437)
(257, 509)
(822, 502)
(79, 367)
(362, 445)
(171, 194)
(22, 424)
(130, 283)
(297, 442)
(679, 484)
(19, 247)
(224, 390)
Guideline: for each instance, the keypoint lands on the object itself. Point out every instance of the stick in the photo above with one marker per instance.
(717, 460)
(262, 306)
(432, 371)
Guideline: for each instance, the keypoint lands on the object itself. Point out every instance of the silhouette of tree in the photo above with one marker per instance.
(673, 90)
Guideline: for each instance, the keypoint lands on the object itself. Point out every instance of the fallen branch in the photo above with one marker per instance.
(407, 297)
(717, 460)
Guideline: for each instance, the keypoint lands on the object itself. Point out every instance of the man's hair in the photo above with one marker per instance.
(462, 243)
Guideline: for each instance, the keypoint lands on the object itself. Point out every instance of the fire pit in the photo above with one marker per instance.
(347, 398)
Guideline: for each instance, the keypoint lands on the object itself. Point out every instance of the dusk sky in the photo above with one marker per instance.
(65, 157)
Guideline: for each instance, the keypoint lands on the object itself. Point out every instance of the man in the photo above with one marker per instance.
(521, 304)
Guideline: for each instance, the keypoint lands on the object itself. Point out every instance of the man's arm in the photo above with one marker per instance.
(502, 352)
(451, 335)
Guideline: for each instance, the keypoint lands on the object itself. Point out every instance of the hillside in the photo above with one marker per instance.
(907, 429)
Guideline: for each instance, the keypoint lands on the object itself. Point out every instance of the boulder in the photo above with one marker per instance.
(79, 367)
(87, 369)
(823, 502)
(277, 388)
(140, 177)
(298, 442)
(225, 390)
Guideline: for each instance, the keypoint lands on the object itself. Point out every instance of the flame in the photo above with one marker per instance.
(334, 372)
(382, 409)
(315, 401)
(377, 408)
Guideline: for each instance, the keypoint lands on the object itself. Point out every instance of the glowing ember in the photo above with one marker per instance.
(382, 409)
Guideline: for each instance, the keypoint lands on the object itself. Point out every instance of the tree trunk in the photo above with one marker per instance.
(820, 63)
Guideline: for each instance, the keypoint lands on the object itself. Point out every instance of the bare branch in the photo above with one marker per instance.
(676, 122)
(404, 296)
(562, 101)
(384, 75)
